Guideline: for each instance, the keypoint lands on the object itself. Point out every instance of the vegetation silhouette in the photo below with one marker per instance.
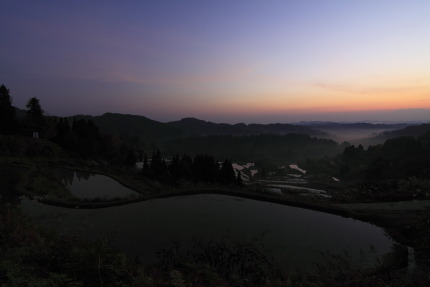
(201, 168)
(7, 112)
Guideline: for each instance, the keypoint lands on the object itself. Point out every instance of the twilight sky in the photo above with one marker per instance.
(223, 61)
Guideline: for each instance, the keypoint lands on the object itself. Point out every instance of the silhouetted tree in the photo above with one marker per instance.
(349, 151)
(202, 168)
(181, 168)
(343, 169)
(227, 172)
(186, 167)
(89, 141)
(35, 116)
(175, 167)
(130, 158)
(64, 136)
(239, 178)
(205, 168)
(7, 111)
(158, 167)
(34, 110)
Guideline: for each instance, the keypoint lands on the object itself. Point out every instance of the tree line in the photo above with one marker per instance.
(34, 121)
(201, 168)
(81, 138)
(398, 169)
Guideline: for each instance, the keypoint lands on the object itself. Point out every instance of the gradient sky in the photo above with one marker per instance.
(223, 61)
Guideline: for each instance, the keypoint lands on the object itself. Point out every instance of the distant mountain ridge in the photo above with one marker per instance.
(127, 126)
(411, 131)
(196, 127)
(132, 126)
(136, 128)
(358, 125)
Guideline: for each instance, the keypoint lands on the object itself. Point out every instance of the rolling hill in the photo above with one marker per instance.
(411, 131)
(196, 127)
(136, 129)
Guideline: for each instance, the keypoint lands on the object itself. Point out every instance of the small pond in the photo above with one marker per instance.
(296, 237)
(85, 185)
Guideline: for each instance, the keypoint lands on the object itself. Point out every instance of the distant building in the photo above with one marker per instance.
(35, 135)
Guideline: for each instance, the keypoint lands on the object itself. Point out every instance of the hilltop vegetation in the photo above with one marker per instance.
(141, 130)
(264, 149)
(132, 129)
(191, 127)
(399, 169)
(410, 131)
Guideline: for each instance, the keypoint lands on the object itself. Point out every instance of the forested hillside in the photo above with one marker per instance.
(137, 130)
(399, 169)
(276, 149)
(412, 131)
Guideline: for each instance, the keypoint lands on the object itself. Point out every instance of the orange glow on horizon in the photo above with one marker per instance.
(320, 103)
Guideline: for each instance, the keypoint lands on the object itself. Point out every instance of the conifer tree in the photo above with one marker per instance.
(227, 172)
(174, 167)
(7, 111)
(130, 158)
(34, 110)
(35, 116)
(186, 167)
(158, 167)
(239, 178)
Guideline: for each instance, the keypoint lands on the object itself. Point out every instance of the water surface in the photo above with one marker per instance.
(295, 236)
(85, 185)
